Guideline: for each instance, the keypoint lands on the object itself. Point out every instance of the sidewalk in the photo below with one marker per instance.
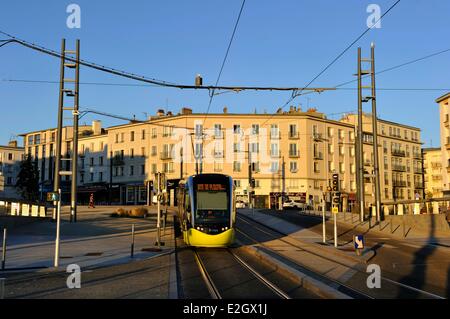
(392, 228)
(310, 239)
(95, 240)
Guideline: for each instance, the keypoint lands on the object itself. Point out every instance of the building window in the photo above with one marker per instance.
(254, 147)
(131, 152)
(237, 183)
(198, 130)
(293, 149)
(217, 130)
(92, 177)
(154, 132)
(100, 176)
(143, 134)
(154, 168)
(154, 150)
(274, 167)
(293, 131)
(236, 129)
(274, 150)
(236, 147)
(316, 167)
(143, 151)
(131, 170)
(255, 129)
(218, 166)
(274, 131)
(132, 136)
(330, 132)
(341, 168)
(236, 166)
(293, 167)
(143, 169)
(91, 161)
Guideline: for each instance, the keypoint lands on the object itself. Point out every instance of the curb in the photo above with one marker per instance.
(367, 255)
(307, 282)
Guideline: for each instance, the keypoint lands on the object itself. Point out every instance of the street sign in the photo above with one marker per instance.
(359, 241)
(52, 197)
(335, 210)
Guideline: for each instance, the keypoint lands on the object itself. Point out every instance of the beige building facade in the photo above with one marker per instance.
(444, 114)
(293, 152)
(433, 172)
(10, 158)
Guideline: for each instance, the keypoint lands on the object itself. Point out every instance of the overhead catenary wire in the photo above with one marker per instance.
(211, 95)
(299, 92)
(143, 78)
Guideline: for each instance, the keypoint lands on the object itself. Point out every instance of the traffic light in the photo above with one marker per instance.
(336, 198)
(335, 183)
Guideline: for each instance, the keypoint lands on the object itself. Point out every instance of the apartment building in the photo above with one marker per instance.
(41, 145)
(10, 158)
(400, 159)
(293, 153)
(444, 111)
(433, 172)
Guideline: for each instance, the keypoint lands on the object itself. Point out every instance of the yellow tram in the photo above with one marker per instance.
(206, 210)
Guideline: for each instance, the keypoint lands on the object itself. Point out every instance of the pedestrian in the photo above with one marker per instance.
(91, 201)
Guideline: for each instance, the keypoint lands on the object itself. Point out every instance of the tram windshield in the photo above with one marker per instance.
(212, 204)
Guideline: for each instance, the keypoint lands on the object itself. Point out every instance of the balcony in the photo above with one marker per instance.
(318, 156)
(294, 154)
(218, 154)
(417, 170)
(399, 168)
(399, 153)
(418, 185)
(166, 155)
(317, 137)
(275, 154)
(275, 135)
(118, 161)
(294, 135)
(399, 183)
(417, 155)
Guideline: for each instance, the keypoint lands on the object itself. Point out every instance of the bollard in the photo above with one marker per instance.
(4, 249)
(132, 240)
(2, 288)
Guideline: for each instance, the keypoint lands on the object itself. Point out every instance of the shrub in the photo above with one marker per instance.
(139, 212)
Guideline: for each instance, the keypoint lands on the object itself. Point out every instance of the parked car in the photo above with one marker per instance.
(240, 204)
(294, 204)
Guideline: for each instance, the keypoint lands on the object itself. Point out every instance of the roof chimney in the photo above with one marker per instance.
(225, 110)
(160, 112)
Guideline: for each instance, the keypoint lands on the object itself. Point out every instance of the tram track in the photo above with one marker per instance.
(214, 288)
(343, 287)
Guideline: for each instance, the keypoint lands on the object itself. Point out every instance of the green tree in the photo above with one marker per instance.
(28, 179)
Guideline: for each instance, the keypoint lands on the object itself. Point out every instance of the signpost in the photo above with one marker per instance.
(56, 196)
(335, 204)
(359, 244)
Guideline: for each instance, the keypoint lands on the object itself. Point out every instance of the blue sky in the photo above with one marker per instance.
(278, 43)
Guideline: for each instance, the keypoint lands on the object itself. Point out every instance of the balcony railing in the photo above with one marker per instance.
(399, 168)
(418, 185)
(417, 170)
(218, 154)
(275, 135)
(399, 183)
(395, 152)
(318, 156)
(417, 155)
(317, 136)
(275, 154)
(166, 155)
(294, 135)
(294, 154)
